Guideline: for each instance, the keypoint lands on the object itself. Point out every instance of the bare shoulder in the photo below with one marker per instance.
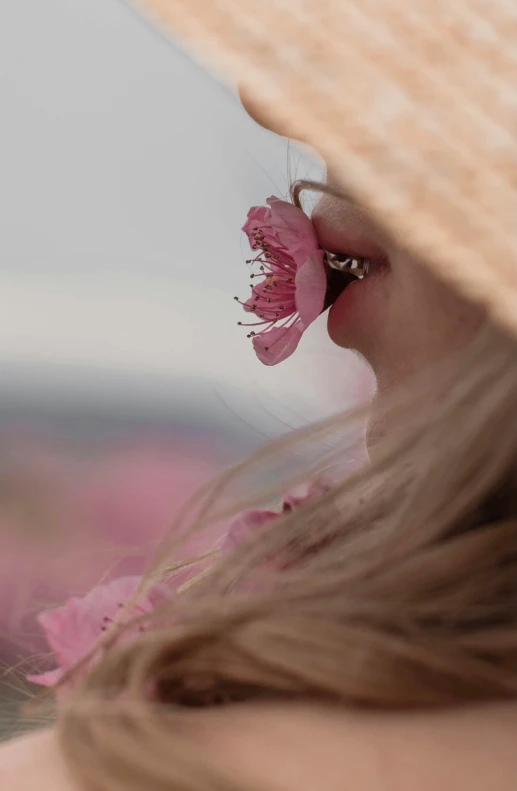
(299, 747)
(302, 747)
(33, 763)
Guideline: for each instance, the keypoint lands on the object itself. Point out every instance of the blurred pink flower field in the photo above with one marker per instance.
(69, 521)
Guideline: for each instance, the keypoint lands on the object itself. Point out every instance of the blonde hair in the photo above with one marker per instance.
(396, 588)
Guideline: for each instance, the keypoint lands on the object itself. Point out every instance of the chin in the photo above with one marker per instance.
(352, 336)
(357, 320)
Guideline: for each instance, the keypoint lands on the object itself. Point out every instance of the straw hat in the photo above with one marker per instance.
(413, 103)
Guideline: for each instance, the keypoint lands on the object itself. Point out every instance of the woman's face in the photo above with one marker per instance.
(400, 317)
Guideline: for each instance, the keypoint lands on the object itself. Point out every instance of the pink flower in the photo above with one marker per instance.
(247, 523)
(305, 493)
(73, 629)
(293, 281)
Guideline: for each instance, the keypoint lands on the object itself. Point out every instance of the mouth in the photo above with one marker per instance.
(343, 270)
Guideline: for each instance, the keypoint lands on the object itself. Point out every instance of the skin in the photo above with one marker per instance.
(302, 747)
(413, 321)
(404, 321)
(409, 322)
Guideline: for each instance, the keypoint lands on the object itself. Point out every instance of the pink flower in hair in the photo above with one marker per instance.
(249, 522)
(291, 284)
(73, 629)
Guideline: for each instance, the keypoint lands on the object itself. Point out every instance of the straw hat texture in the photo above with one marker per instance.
(413, 103)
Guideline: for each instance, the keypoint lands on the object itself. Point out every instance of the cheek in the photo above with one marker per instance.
(426, 319)
(414, 320)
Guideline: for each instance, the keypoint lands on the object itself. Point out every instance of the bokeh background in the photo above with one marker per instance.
(126, 173)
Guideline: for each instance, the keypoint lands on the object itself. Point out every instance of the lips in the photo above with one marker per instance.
(341, 228)
(343, 270)
(349, 257)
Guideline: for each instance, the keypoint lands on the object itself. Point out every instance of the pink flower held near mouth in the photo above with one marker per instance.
(292, 281)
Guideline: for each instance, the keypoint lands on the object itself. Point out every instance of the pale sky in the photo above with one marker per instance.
(125, 175)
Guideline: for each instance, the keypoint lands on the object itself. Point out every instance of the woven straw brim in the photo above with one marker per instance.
(413, 103)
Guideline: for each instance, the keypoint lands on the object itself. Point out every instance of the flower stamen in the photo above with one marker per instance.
(285, 242)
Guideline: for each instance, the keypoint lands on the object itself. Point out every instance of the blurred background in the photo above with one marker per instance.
(126, 173)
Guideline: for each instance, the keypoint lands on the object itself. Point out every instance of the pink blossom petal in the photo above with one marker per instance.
(69, 631)
(73, 629)
(49, 679)
(257, 215)
(291, 284)
(303, 494)
(245, 525)
(311, 287)
(293, 227)
(277, 344)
